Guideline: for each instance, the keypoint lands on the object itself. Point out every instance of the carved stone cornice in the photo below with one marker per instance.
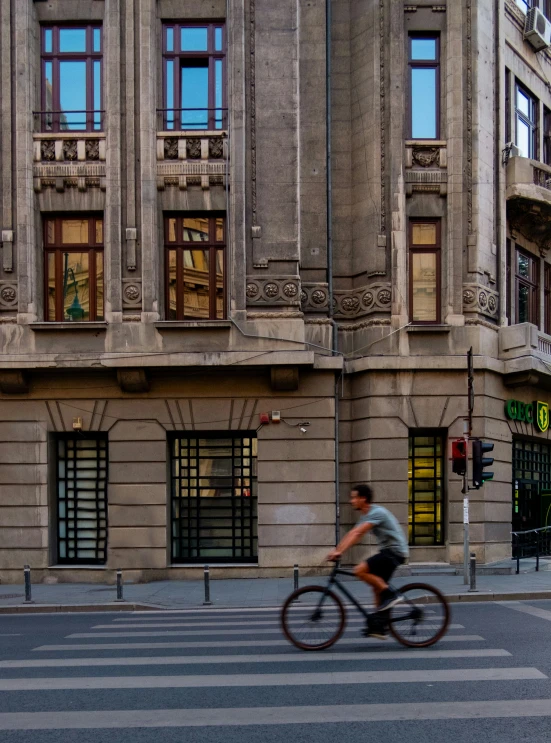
(481, 300)
(273, 291)
(366, 300)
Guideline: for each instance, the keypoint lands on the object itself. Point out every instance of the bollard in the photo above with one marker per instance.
(295, 577)
(207, 601)
(27, 573)
(473, 587)
(119, 585)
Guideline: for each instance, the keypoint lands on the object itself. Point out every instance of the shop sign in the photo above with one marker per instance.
(536, 413)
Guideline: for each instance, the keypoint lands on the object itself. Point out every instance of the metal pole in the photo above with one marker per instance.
(537, 551)
(207, 601)
(465, 492)
(119, 585)
(27, 574)
(295, 578)
(473, 572)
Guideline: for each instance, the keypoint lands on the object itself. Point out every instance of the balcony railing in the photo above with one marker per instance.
(68, 121)
(192, 119)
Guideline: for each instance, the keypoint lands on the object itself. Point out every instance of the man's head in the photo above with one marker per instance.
(361, 497)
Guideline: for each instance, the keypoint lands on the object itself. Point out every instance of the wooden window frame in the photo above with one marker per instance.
(424, 249)
(51, 122)
(424, 64)
(211, 55)
(58, 248)
(547, 298)
(533, 285)
(531, 122)
(179, 245)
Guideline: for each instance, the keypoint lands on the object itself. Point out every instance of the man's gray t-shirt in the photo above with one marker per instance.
(386, 529)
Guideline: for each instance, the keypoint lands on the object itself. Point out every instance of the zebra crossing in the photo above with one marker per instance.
(154, 682)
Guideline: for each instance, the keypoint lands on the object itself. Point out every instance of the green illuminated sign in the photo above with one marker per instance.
(536, 413)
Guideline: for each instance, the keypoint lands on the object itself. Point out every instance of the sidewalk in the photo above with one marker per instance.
(260, 592)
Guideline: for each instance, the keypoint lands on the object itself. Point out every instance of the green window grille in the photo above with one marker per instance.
(214, 497)
(426, 488)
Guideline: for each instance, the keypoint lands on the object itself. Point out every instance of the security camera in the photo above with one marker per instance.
(303, 430)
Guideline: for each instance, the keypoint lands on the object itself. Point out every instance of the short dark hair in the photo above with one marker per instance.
(364, 491)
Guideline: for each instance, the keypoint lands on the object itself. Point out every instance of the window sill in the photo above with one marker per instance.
(78, 567)
(428, 328)
(212, 565)
(193, 324)
(55, 326)
(425, 142)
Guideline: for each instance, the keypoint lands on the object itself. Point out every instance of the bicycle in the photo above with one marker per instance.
(317, 614)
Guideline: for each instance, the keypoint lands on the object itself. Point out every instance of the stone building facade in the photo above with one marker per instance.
(246, 247)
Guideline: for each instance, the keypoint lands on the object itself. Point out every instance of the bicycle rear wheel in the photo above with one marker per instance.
(422, 618)
(313, 618)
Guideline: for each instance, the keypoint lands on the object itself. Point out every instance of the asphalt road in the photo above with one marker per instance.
(230, 676)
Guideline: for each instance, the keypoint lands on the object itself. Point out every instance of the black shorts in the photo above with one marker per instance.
(384, 563)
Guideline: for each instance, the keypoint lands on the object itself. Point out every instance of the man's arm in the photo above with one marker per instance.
(349, 540)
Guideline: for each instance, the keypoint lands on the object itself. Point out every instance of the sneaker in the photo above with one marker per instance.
(375, 629)
(388, 600)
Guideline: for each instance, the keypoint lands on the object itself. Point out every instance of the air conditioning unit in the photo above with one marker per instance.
(537, 29)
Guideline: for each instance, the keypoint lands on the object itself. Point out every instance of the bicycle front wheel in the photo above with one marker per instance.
(313, 618)
(422, 618)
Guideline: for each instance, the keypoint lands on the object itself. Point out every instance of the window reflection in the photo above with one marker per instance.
(423, 104)
(425, 486)
(72, 39)
(424, 287)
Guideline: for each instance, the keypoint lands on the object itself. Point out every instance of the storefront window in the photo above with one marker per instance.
(426, 488)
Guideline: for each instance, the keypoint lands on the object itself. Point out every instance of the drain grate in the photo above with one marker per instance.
(11, 595)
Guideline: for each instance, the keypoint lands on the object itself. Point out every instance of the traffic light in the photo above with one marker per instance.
(459, 456)
(480, 462)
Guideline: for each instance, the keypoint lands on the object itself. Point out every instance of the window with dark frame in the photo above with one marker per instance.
(546, 136)
(526, 122)
(81, 498)
(424, 271)
(424, 86)
(527, 295)
(426, 487)
(194, 76)
(547, 298)
(214, 497)
(72, 96)
(195, 267)
(73, 268)
(543, 5)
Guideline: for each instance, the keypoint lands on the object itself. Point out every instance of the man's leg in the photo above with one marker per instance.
(378, 585)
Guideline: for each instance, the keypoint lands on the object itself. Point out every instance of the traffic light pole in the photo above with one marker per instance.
(467, 433)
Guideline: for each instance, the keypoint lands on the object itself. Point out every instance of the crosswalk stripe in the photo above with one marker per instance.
(535, 611)
(274, 622)
(221, 631)
(241, 716)
(216, 615)
(222, 644)
(272, 679)
(266, 658)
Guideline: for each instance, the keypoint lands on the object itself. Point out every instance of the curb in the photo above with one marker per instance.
(465, 598)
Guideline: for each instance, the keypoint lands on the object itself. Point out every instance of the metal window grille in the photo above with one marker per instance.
(426, 489)
(81, 485)
(214, 497)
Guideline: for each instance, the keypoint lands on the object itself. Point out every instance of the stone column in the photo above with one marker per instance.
(5, 120)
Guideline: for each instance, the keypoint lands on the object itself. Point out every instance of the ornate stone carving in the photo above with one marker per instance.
(171, 149)
(481, 300)
(8, 295)
(92, 149)
(47, 150)
(271, 290)
(252, 290)
(384, 297)
(70, 149)
(193, 148)
(425, 156)
(216, 148)
(290, 290)
(366, 300)
(350, 304)
(131, 293)
(319, 297)
(303, 296)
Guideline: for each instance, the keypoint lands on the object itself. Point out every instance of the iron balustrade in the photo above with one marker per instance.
(192, 119)
(47, 122)
(531, 543)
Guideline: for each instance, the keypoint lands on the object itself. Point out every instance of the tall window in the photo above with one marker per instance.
(214, 497)
(543, 5)
(194, 67)
(526, 287)
(195, 264)
(526, 116)
(81, 484)
(547, 298)
(424, 271)
(426, 488)
(71, 79)
(73, 268)
(424, 64)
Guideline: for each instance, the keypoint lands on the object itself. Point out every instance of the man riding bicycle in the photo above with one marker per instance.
(378, 569)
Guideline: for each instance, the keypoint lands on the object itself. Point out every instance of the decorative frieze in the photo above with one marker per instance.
(314, 297)
(366, 300)
(426, 165)
(481, 300)
(69, 161)
(184, 159)
(274, 290)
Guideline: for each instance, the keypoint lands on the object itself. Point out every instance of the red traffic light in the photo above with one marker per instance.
(459, 456)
